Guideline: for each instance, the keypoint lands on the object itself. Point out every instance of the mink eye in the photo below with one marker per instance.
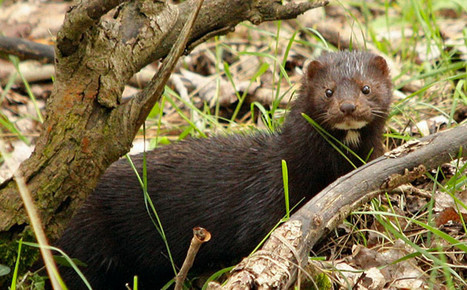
(366, 90)
(329, 93)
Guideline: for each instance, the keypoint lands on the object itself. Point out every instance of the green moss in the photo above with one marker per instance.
(9, 253)
(323, 281)
(320, 281)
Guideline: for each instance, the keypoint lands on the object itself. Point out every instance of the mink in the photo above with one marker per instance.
(231, 185)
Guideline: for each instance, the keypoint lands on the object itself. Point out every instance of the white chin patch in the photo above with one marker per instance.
(350, 125)
(352, 138)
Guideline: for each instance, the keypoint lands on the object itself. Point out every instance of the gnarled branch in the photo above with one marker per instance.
(87, 127)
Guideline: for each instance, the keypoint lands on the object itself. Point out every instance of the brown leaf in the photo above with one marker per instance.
(447, 215)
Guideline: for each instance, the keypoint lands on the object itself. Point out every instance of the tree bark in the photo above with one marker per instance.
(87, 127)
(275, 266)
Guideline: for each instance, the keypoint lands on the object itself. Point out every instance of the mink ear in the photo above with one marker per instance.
(313, 68)
(380, 64)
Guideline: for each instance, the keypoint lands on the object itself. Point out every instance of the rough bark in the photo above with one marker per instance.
(275, 266)
(87, 127)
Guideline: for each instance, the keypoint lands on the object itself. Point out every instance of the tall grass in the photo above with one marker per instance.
(429, 78)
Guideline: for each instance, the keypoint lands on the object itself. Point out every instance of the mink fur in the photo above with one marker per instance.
(231, 185)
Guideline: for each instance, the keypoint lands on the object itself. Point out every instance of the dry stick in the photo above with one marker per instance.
(35, 220)
(327, 209)
(26, 49)
(200, 236)
(31, 71)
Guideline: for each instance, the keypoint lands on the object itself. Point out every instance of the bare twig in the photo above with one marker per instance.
(26, 49)
(268, 10)
(200, 236)
(31, 71)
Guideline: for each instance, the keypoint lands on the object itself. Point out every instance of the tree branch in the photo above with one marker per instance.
(26, 49)
(269, 11)
(87, 128)
(144, 101)
(78, 19)
(217, 17)
(275, 265)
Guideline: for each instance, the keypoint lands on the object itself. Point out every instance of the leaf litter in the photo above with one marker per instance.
(362, 253)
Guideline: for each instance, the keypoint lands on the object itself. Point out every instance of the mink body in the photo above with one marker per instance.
(230, 185)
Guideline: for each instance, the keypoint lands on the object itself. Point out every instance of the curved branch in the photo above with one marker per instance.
(87, 128)
(269, 11)
(294, 239)
(216, 18)
(144, 101)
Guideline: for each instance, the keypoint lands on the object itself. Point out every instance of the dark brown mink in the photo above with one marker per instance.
(231, 185)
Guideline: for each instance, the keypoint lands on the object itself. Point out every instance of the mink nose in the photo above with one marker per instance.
(347, 108)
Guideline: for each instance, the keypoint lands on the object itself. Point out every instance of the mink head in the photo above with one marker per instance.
(346, 90)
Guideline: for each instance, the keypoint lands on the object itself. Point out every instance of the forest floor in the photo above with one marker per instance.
(245, 81)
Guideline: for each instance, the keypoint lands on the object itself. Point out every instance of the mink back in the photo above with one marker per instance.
(231, 185)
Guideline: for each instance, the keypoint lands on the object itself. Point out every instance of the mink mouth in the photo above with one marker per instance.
(350, 124)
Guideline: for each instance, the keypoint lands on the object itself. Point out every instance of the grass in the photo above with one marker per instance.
(15, 62)
(426, 86)
(151, 209)
(8, 126)
(441, 91)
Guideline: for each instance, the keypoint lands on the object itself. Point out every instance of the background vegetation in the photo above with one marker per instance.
(245, 80)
